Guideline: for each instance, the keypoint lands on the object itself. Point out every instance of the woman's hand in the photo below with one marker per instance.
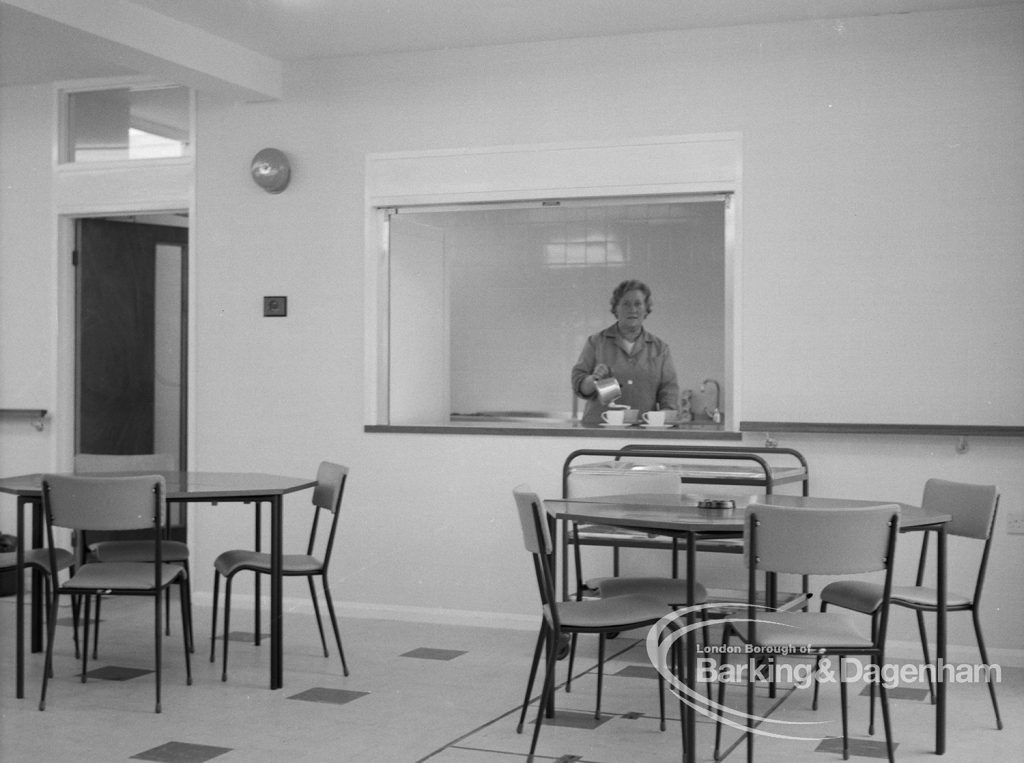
(588, 387)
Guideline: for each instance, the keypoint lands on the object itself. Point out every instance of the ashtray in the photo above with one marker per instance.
(717, 504)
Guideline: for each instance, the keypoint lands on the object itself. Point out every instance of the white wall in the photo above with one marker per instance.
(838, 121)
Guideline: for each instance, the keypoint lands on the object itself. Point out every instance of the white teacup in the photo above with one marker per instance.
(614, 416)
(654, 418)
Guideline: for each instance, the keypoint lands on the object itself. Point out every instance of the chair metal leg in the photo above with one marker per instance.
(724, 660)
(213, 626)
(871, 685)
(51, 630)
(158, 641)
(751, 664)
(96, 630)
(76, 604)
(817, 665)
(188, 588)
(924, 648)
(334, 624)
(886, 722)
(186, 626)
(984, 660)
(549, 687)
(600, 674)
(541, 637)
(227, 625)
(572, 659)
(842, 705)
(316, 611)
(85, 634)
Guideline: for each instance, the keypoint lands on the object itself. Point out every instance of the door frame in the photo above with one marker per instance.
(65, 426)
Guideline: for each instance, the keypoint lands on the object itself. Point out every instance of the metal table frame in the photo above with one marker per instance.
(182, 487)
(671, 515)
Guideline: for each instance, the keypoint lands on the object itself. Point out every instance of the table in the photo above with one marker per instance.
(680, 517)
(182, 487)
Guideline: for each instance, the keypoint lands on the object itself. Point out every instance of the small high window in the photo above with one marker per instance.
(127, 123)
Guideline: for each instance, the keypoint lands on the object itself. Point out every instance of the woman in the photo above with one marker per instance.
(639, 360)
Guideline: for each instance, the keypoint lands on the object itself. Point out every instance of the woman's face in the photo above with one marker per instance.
(631, 310)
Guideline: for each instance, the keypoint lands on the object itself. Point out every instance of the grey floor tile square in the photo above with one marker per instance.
(573, 720)
(182, 752)
(865, 748)
(116, 673)
(329, 696)
(900, 692)
(426, 653)
(638, 671)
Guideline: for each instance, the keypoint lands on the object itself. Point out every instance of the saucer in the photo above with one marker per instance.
(615, 426)
(656, 426)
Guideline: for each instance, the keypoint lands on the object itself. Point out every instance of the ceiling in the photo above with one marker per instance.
(35, 48)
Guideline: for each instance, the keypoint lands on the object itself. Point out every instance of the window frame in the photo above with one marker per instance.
(661, 166)
(62, 145)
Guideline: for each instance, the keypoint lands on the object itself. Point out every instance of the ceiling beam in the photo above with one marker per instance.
(155, 45)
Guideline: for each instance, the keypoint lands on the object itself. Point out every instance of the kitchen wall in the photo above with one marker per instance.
(866, 141)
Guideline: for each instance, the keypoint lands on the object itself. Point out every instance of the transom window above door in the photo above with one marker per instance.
(139, 122)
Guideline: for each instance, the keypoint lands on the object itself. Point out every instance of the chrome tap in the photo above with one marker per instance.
(716, 414)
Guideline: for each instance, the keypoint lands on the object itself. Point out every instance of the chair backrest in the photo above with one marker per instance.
(86, 463)
(330, 484)
(327, 495)
(536, 536)
(537, 540)
(820, 541)
(973, 507)
(104, 503)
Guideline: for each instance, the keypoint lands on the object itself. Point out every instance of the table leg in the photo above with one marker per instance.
(940, 647)
(257, 546)
(689, 714)
(37, 596)
(276, 594)
(19, 615)
(37, 577)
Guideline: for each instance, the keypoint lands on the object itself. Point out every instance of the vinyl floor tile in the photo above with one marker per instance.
(393, 708)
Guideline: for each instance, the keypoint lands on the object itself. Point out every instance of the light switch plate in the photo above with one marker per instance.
(1015, 522)
(275, 307)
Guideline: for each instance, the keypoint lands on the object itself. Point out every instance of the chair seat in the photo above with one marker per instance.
(617, 612)
(37, 557)
(232, 561)
(671, 591)
(818, 629)
(927, 598)
(860, 596)
(138, 551)
(120, 576)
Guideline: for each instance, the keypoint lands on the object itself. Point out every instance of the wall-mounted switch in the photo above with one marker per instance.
(275, 307)
(1015, 521)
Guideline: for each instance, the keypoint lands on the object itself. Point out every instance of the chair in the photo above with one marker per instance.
(600, 616)
(812, 541)
(672, 591)
(973, 509)
(122, 547)
(327, 496)
(38, 559)
(81, 504)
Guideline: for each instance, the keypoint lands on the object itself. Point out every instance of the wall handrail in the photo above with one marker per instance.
(38, 413)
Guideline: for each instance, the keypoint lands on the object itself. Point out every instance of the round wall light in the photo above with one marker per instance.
(271, 170)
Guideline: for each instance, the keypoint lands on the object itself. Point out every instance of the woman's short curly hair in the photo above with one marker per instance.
(632, 285)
